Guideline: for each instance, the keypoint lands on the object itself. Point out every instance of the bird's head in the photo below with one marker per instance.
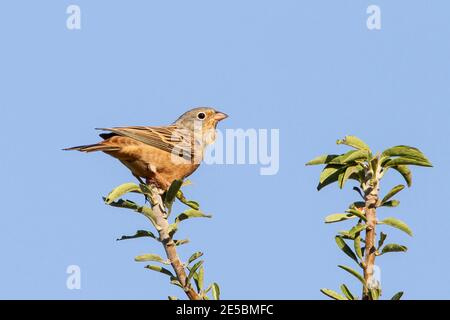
(204, 117)
(202, 121)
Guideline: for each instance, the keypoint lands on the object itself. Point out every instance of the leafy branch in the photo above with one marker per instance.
(159, 211)
(360, 165)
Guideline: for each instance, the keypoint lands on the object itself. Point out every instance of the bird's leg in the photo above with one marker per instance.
(149, 181)
(139, 179)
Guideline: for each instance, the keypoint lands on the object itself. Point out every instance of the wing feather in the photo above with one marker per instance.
(170, 139)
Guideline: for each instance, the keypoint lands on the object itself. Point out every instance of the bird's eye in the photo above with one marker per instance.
(201, 115)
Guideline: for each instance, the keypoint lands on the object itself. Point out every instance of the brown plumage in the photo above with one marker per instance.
(161, 155)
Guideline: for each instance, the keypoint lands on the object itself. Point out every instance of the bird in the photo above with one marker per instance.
(162, 154)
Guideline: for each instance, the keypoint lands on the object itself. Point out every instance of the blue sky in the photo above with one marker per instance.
(311, 69)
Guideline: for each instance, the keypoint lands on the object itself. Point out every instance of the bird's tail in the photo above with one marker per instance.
(93, 148)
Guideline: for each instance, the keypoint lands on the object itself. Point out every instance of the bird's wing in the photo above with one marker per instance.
(170, 139)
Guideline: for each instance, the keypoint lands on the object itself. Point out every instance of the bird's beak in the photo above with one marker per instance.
(218, 116)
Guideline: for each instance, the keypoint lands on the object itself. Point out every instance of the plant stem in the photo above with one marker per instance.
(169, 245)
(371, 200)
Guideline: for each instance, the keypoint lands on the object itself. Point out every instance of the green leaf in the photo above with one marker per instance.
(329, 175)
(216, 291)
(407, 152)
(146, 211)
(151, 257)
(375, 294)
(181, 242)
(195, 256)
(324, 159)
(340, 178)
(171, 194)
(357, 246)
(360, 155)
(354, 273)
(351, 156)
(191, 213)
(333, 294)
(397, 296)
(194, 269)
(345, 248)
(199, 278)
(186, 183)
(391, 204)
(358, 190)
(145, 189)
(347, 292)
(341, 158)
(125, 204)
(359, 205)
(175, 282)
(345, 235)
(396, 223)
(356, 230)
(383, 237)
(350, 173)
(173, 228)
(338, 217)
(209, 288)
(329, 171)
(139, 234)
(392, 193)
(120, 191)
(354, 142)
(357, 213)
(392, 247)
(374, 163)
(406, 161)
(193, 204)
(160, 269)
(406, 174)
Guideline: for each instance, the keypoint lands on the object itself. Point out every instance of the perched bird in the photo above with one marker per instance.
(162, 154)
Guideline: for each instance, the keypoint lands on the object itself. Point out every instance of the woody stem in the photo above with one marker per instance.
(169, 245)
(371, 200)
